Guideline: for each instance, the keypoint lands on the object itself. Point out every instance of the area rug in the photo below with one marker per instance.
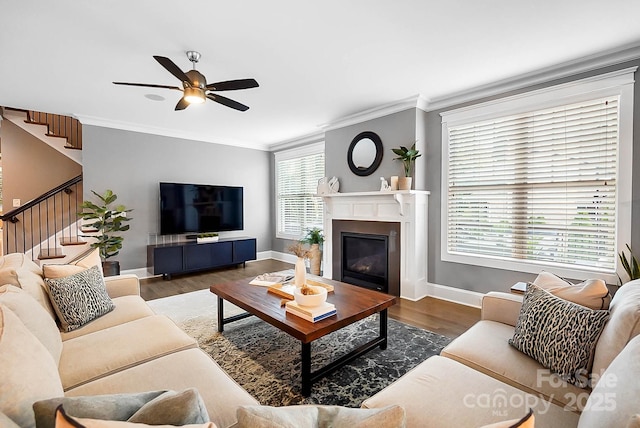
(266, 361)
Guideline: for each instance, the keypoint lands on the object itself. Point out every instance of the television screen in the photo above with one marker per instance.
(200, 208)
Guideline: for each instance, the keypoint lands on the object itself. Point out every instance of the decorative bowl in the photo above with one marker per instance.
(316, 299)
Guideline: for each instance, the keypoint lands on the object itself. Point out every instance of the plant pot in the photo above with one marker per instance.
(315, 259)
(404, 183)
(111, 268)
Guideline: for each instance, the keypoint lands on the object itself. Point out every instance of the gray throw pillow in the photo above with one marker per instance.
(79, 298)
(319, 416)
(151, 408)
(559, 334)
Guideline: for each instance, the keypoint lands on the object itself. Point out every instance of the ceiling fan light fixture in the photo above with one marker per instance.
(194, 95)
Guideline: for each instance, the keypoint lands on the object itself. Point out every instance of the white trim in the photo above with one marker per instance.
(566, 69)
(414, 101)
(298, 152)
(619, 82)
(315, 137)
(166, 132)
(283, 257)
(455, 295)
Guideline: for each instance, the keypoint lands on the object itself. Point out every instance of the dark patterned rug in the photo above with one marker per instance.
(266, 361)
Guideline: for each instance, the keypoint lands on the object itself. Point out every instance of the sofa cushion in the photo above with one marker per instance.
(117, 348)
(65, 421)
(623, 325)
(86, 261)
(185, 369)
(79, 298)
(319, 416)
(442, 393)
(19, 270)
(152, 407)
(485, 348)
(592, 293)
(528, 421)
(127, 308)
(34, 317)
(28, 372)
(614, 400)
(559, 334)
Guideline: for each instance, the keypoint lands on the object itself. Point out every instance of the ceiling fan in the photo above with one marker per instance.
(195, 87)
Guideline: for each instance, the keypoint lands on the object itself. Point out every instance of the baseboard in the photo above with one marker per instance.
(455, 295)
(283, 257)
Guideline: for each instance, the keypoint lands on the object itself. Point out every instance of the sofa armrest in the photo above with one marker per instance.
(122, 285)
(501, 307)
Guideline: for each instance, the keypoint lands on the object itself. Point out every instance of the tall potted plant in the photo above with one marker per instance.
(314, 238)
(408, 158)
(106, 220)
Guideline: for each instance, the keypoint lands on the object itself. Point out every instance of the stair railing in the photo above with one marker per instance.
(39, 223)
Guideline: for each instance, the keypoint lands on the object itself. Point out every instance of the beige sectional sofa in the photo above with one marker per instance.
(129, 349)
(480, 379)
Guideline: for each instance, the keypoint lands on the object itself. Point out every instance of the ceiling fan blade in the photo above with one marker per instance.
(182, 104)
(147, 85)
(172, 68)
(227, 102)
(231, 85)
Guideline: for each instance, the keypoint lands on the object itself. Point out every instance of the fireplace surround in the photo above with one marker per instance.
(406, 208)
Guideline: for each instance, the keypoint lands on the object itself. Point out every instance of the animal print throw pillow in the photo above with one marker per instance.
(559, 334)
(79, 298)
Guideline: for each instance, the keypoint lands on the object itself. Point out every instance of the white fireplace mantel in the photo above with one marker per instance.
(407, 207)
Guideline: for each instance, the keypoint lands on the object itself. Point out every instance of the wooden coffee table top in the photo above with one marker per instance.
(352, 304)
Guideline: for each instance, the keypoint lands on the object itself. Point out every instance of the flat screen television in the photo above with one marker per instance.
(200, 208)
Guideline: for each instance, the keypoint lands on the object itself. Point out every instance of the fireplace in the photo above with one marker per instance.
(367, 254)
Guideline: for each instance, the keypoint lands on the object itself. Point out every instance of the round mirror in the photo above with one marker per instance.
(365, 153)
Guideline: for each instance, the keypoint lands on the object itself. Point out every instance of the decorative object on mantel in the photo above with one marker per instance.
(328, 185)
(314, 238)
(384, 185)
(408, 158)
(207, 237)
(630, 265)
(104, 220)
(300, 276)
(394, 182)
(365, 153)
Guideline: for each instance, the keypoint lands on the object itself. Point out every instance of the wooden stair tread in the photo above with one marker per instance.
(52, 253)
(72, 241)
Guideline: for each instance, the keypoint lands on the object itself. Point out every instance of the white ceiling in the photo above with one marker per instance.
(316, 61)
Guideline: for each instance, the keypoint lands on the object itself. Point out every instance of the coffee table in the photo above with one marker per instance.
(352, 304)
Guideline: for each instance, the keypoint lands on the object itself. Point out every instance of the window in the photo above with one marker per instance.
(541, 180)
(297, 175)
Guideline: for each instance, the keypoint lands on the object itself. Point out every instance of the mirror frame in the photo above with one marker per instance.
(363, 172)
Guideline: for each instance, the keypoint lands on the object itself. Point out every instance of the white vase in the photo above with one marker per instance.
(300, 273)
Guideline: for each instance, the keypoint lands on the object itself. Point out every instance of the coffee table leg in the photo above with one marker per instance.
(220, 315)
(306, 369)
(383, 329)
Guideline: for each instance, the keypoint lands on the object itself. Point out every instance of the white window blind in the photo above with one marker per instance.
(297, 175)
(537, 186)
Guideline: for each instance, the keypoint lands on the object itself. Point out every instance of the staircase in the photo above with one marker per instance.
(45, 225)
(59, 126)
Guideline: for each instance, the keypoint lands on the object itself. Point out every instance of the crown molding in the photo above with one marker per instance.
(414, 101)
(566, 69)
(185, 135)
(314, 137)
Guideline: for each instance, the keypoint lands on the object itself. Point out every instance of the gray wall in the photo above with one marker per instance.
(29, 166)
(132, 164)
(482, 279)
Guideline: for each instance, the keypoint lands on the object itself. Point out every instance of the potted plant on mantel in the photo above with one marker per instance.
(104, 220)
(314, 238)
(408, 158)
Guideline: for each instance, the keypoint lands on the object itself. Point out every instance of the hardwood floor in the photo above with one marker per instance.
(439, 316)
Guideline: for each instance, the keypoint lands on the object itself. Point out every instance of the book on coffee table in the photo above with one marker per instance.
(269, 279)
(312, 314)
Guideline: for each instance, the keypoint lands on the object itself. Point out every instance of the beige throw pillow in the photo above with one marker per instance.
(85, 262)
(314, 416)
(65, 421)
(592, 293)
